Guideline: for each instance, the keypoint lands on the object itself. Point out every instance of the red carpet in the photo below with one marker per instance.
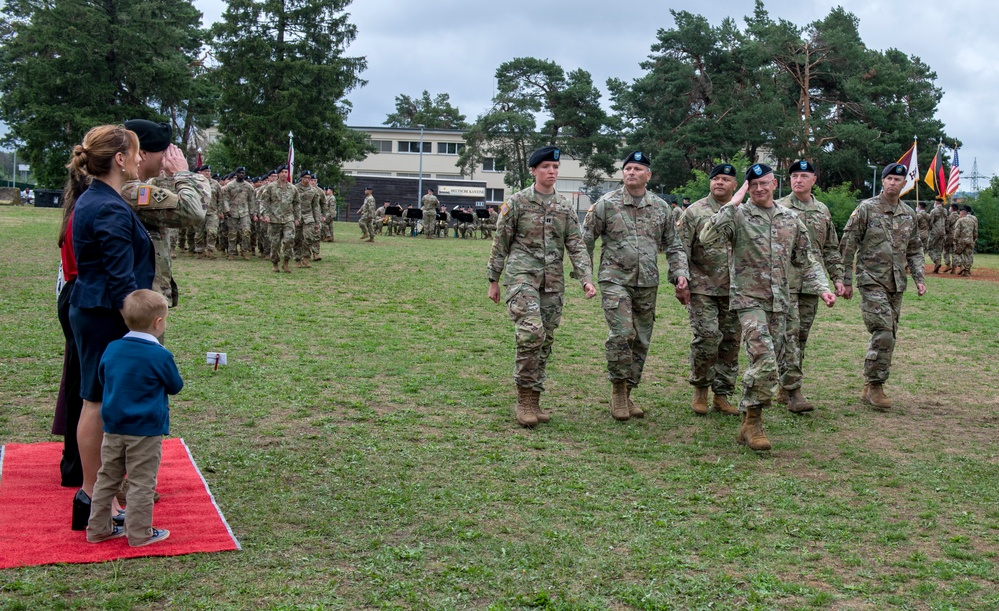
(35, 511)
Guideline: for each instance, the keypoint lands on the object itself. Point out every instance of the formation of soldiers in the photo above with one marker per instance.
(752, 272)
(431, 219)
(946, 243)
(266, 216)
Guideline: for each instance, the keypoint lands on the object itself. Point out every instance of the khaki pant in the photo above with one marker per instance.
(139, 457)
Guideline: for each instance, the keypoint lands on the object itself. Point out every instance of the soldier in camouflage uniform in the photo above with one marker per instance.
(535, 228)
(331, 211)
(314, 223)
(938, 232)
(767, 240)
(965, 236)
(281, 207)
(367, 216)
(208, 230)
(881, 234)
(163, 166)
(948, 254)
(804, 305)
(489, 224)
(923, 225)
(303, 231)
(631, 224)
(429, 205)
(236, 204)
(714, 349)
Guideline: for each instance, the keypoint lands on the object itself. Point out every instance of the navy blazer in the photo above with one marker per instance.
(114, 254)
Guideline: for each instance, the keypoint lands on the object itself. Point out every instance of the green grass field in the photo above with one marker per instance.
(362, 446)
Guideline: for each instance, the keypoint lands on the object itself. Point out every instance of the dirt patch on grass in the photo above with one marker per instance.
(984, 274)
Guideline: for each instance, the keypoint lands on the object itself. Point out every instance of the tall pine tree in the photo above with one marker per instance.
(283, 68)
(66, 66)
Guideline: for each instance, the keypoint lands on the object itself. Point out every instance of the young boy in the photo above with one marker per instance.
(138, 374)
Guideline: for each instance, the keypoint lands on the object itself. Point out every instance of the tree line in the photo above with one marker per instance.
(270, 67)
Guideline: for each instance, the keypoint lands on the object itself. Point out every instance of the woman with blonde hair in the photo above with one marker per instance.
(114, 256)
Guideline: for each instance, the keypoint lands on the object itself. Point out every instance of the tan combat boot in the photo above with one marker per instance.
(936, 268)
(276, 268)
(286, 268)
(246, 256)
(633, 410)
(721, 404)
(524, 410)
(875, 396)
(751, 434)
(536, 407)
(306, 263)
(700, 402)
(619, 401)
(797, 403)
(781, 398)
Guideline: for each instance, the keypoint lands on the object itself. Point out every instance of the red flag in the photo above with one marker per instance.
(198, 163)
(911, 161)
(955, 177)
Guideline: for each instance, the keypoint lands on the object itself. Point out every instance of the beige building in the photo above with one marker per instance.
(398, 155)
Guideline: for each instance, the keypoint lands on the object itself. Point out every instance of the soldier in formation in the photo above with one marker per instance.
(429, 204)
(631, 223)
(948, 255)
(882, 236)
(938, 232)
(536, 227)
(281, 208)
(923, 225)
(767, 240)
(965, 236)
(804, 304)
(367, 212)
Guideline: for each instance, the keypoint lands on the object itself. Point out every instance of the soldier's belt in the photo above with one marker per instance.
(149, 197)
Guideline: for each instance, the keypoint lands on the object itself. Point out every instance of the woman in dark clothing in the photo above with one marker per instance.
(114, 256)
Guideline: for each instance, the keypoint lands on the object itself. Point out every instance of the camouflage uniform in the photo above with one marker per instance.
(325, 230)
(948, 254)
(429, 205)
(965, 235)
(938, 232)
(764, 249)
(804, 304)
(489, 225)
(923, 225)
(280, 202)
(190, 190)
(208, 230)
(306, 246)
(884, 239)
(631, 230)
(714, 349)
(367, 220)
(261, 227)
(237, 205)
(530, 243)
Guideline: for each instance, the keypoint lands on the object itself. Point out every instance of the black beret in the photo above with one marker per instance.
(757, 170)
(280, 168)
(305, 173)
(216, 176)
(240, 169)
(967, 209)
(955, 207)
(153, 137)
(269, 174)
(369, 188)
(801, 166)
(897, 169)
(548, 153)
(722, 168)
(637, 157)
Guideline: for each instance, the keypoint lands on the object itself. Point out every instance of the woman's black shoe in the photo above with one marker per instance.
(81, 510)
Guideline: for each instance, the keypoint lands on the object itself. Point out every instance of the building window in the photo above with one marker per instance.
(449, 176)
(489, 164)
(414, 147)
(381, 146)
(494, 195)
(450, 148)
(408, 174)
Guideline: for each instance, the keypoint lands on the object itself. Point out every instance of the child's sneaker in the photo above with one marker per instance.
(116, 531)
(158, 535)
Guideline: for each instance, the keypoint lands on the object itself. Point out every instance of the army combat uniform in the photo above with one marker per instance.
(237, 204)
(631, 230)
(281, 204)
(804, 304)
(532, 234)
(367, 220)
(938, 234)
(714, 349)
(883, 238)
(429, 204)
(923, 225)
(183, 210)
(965, 236)
(766, 243)
(208, 231)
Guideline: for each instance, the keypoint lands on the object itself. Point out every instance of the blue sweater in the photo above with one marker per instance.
(137, 374)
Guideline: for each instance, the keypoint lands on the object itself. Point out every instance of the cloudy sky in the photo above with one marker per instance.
(455, 46)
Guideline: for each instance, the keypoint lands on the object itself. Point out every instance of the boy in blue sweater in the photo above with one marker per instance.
(138, 374)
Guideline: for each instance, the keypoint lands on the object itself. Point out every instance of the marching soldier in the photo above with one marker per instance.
(429, 205)
(236, 206)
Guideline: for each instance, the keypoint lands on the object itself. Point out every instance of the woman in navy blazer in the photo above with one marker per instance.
(114, 257)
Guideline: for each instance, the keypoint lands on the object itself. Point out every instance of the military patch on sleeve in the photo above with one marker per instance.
(142, 195)
(592, 206)
(503, 209)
